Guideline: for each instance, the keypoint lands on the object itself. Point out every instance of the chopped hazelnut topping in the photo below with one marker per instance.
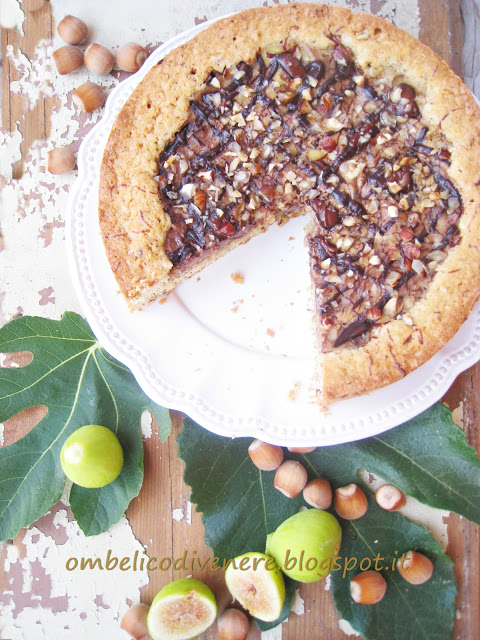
(270, 138)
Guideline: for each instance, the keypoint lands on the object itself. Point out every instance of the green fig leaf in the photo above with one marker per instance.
(428, 458)
(406, 611)
(80, 384)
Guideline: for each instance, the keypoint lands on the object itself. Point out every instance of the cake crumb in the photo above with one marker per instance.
(270, 332)
(236, 305)
(237, 278)
(162, 301)
(292, 394)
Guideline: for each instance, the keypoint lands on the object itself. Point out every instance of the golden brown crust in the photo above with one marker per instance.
(443, 98)
(134, 224)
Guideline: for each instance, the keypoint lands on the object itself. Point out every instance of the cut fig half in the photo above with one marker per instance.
(182, 610)
(257, 583)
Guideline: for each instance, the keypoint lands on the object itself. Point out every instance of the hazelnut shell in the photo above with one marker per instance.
(266, 457)
(290, 478)
(89, 96)
(130, 57)
(72, 30)
(368, 587)
(67, 59)
(350, 502)
(98, 59)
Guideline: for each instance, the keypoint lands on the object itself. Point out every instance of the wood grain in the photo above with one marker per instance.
(443, 29)
(470, 10)
(34, 124)
(163, 491)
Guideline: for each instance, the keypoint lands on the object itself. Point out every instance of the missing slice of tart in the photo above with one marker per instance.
(307, 109)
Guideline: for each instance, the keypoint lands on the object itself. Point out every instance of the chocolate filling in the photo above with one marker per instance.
(293, 131)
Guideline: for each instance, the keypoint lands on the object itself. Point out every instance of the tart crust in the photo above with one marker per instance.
(134, 225)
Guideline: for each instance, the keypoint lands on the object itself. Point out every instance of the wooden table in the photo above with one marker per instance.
(150, 515)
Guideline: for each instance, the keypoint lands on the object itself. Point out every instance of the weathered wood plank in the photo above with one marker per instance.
(443, 29)
(34, 124)
(470, 10)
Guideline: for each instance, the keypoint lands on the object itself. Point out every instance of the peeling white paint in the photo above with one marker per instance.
(146, 424)
(66, 492)
(435, 520)
(328, 582)
(272, 634)
(34, 206)
(457, 415)
(177, 515)
(11, 15)
(10, 144)
(87, 593)
(12, 556)
(407, 16)
(298, 607)
(189, 513)
(164, 19)
(36, 79)
(347, 628)
(298, 604)
(11, 364)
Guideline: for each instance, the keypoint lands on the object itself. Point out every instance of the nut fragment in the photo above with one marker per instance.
(328, 143)
(67, 59)
(200, 199)
(130, 57)
(316, 154)
(390, 498)
(411, 251)
(60, 160)
(415, 568)
(290, 478)
(350, 502)
(396, 94)
(89, 96)
(98, 59)
(333, 124)
(301, 449)
(391, 307)
(72, 30)
(266, 457)
(368, 587)
(406, 234)
(318, 493)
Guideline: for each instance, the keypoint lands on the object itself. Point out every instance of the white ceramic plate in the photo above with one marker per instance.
(236, 357)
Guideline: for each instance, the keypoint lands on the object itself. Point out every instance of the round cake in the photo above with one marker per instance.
(312, 110)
